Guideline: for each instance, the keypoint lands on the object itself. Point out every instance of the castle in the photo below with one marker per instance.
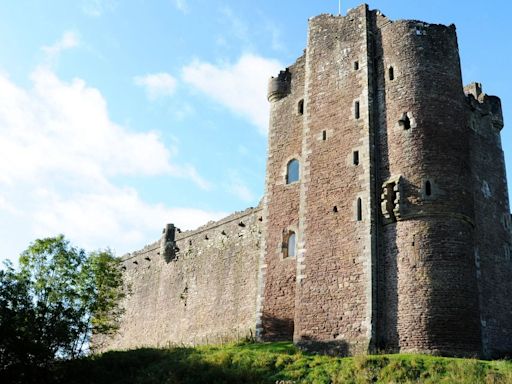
(385, 223)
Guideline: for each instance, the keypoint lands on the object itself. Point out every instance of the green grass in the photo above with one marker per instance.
(274, 363)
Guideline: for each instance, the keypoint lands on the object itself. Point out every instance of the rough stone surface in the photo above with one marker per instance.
(206, 294)
(401, 212)
(425, 265)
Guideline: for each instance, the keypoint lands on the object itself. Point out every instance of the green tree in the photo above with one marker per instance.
(52, 305)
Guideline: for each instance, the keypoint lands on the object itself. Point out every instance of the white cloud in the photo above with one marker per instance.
(156, 84)
(241, 87)
(182, 6)
(65, 126)
(118, 218)
(7, 207)
(67, 41)
(60, 152)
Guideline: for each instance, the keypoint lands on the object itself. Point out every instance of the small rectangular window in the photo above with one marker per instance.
(324, 135)
(391, 73)
(300, 107)
(428, 188)
(356, 110)
(356, 65)
(355, 158)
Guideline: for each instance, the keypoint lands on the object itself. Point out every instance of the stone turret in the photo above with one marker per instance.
(279, 87)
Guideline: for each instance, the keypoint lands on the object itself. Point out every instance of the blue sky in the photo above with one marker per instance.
(117, 117)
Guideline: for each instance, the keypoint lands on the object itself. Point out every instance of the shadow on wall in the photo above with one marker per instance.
(276, 329)
(387, 328)
(325, 347)
(386, 284)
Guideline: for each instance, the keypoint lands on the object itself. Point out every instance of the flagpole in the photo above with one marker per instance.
(339, 7)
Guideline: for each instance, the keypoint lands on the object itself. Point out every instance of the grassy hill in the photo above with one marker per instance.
(275, 363)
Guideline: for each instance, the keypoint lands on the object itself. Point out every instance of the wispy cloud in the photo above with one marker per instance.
(237, 27)
(68, 40)
(182, 111)
(157, 85)
(239, 189)
(275, 36)
(61, 154)
(241, 87)
(96, 8)
(239, 31)
(182, 6)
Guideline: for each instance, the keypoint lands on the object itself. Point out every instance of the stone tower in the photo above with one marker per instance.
(386, 215)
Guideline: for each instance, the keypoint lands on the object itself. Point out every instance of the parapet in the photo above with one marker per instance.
(474, 89)
(485, 104)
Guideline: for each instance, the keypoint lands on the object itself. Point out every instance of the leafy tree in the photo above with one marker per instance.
(51, 306)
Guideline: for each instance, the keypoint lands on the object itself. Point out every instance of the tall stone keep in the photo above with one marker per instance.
(385, 223)
(386, 217)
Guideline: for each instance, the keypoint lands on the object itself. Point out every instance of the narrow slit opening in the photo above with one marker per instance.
(300, 107)
(359, 209)
(428, 188)
(355, 158)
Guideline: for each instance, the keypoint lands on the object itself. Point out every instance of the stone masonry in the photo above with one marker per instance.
(385, 223)
(199, 289)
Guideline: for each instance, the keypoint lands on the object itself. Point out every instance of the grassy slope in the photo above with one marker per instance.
(275, 363)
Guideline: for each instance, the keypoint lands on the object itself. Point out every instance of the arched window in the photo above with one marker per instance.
(292, 171)
(292, 244)
(391, 73)
(300, 107)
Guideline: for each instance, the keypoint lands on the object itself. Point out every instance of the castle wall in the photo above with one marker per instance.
(493, 249)
(400, 212)
(281, 210)
(427, 279)
(334, 301)
(205, 294)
